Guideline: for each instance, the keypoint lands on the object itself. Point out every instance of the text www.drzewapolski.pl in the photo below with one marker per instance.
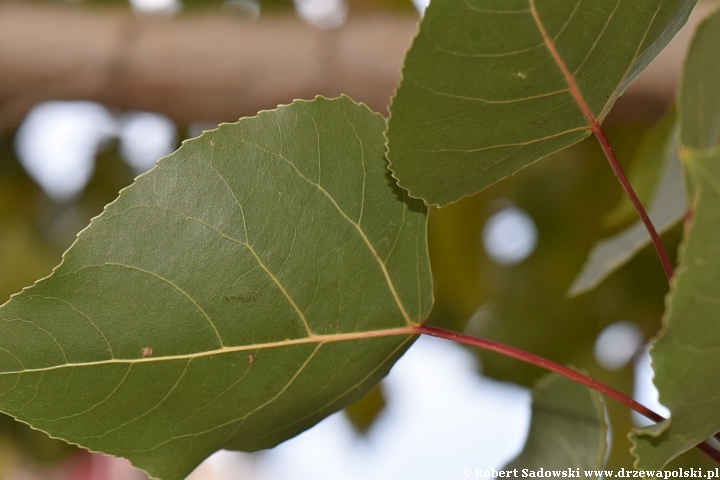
(577, 473)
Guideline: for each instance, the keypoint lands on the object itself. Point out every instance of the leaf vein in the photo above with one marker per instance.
(262, 265)
(117, 387)
(486, 101)
(162, 279)
(42, 330)
(359, 229)
(14, 356)
(493, 12)
(358, 384)
(107, 342)
(597, 40)
(437, 47)
(606, 108)
(155, 407)
(244, 417)
(336, 337)
(362, 162)
(505, 145)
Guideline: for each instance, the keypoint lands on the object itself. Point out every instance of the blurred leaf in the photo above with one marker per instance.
(686, 356)
(23, 256)
(667, 208)
(483, 93)
(699, 96)
(568, 428)
(232, 297)
(363, 413)
(645, 169)
(34, 444)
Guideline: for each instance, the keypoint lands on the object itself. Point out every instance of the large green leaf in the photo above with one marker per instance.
(666, 209)
(686, 357)
(490, 86)
(257, 280)
(568, 429)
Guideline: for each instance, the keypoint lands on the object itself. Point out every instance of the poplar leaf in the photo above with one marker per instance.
(490, 86)
(255, 281)
(686, 356)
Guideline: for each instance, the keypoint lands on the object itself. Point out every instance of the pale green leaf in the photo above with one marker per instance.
(241, 291)
(482, 94)
(666, 209)
(686, 357)
(699, 97)
(568, 430)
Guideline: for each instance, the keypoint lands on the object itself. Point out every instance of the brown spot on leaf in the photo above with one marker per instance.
(147, 352)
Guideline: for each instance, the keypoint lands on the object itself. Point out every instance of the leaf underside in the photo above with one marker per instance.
(482, 94)
(248, 286)
(568, 428)
(686, 357)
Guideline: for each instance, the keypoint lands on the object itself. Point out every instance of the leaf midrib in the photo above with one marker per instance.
(572, 85)
(271, 432)
(320, 339)
(593, 122)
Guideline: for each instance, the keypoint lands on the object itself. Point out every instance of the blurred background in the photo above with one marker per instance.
(93, 92)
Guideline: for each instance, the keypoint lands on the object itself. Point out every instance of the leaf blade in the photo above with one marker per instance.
(685, 355)
(486, 93)
(262, 277)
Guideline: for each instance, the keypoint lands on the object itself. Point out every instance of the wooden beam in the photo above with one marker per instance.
(219, 67)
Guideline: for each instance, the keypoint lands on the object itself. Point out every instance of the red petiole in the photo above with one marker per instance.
(620, 175)
(566, 372)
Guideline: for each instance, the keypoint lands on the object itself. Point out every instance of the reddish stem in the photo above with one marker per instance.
(620, 175)
(594, 124)
(557, 368)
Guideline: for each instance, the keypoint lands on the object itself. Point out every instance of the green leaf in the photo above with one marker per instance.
(667, 208)
(255, 281)
(686, 357)
(568, 429)
(490, 86)
(699, 97)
